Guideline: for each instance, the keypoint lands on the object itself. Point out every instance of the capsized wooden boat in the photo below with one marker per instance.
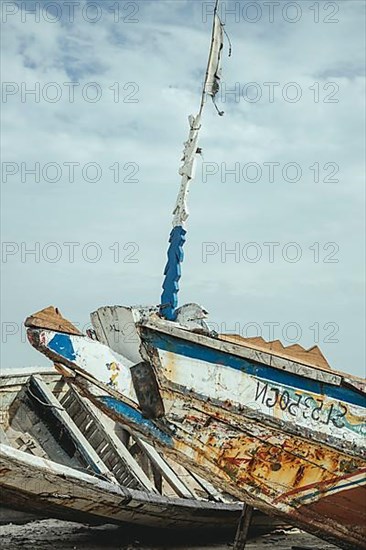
(63, 458)
(265, 424)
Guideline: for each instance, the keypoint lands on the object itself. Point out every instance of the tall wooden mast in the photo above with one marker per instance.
(172, 272)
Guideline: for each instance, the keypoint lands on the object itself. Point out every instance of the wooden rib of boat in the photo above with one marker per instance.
(61, 457)
(270, 428)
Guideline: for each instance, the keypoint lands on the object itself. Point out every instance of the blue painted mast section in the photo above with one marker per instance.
(172, 272)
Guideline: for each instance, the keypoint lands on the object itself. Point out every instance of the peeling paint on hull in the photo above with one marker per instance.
(330, 413)
(210, 397)
(276, 473)
(244, 452)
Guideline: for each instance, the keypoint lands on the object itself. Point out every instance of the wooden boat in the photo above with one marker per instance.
(262, 423)
(60, 457)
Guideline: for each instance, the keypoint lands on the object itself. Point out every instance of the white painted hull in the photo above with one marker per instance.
(219, 421)
(59, 491)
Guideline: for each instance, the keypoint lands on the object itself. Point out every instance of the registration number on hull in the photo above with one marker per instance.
(296, 404)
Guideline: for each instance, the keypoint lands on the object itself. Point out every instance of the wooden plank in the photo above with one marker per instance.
(50, 318)
(117, 446)
(312, 357)
(56, 489)
(26, 372)
(241, 536)
(78, 438)
(209, 488)
(166, 471)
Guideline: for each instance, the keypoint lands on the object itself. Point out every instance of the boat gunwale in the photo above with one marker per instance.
(335, 378)
(54, 468)
(19, 372)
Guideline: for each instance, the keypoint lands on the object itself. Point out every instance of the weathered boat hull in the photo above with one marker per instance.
(312, 402)
(289, 435)
(309, 484)
(61, 457)
(293, 389)
(41, 485)
(276, 471)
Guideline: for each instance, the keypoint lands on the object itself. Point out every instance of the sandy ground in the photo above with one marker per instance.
(49, 534)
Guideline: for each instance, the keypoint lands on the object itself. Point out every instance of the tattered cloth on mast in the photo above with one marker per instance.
(211, 87)
(213, 76)
(187, 171)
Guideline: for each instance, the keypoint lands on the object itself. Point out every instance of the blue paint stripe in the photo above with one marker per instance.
(132, 416)
(265, 372)
(61, 343)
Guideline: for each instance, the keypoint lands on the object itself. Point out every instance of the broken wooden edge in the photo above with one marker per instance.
(51, 318)
(312, 356)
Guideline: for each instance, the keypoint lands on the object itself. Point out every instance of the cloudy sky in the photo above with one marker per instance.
(90, 161)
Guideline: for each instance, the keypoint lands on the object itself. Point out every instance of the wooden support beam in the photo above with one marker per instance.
(158, 478)
(80, 442)
(166, 471)
(242, 531)
(213, 493)
(106, 426)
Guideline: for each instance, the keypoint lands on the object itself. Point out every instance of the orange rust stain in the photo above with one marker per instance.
(299, 475)
(276, 469)
(192, 418)
(171, 366)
